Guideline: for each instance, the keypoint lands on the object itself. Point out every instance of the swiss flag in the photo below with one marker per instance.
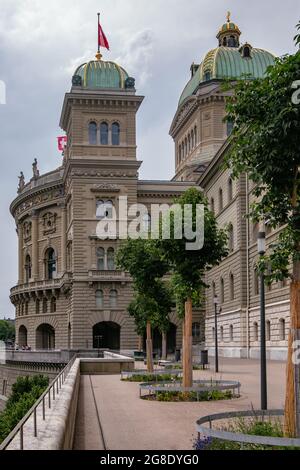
(62, 143)
(102, 40)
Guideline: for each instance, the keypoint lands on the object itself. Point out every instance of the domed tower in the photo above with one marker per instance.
(198, 128)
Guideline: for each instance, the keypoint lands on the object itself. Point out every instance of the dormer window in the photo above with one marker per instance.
(245, 51)
(207, 75)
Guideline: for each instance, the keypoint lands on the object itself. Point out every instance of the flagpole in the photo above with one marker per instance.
(98, 32)
(98, 55)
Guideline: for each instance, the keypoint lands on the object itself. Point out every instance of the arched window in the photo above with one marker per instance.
(207, 76)
(99, 298)
(222, 291)
(230, 238)
(115, 134)
(27, 269)
(255, 230)
(231, 332)
(282, 333)
(255, 331)
(196, 135)
(230, 190)
(220, 199)
(192, 138)
(231, 281)
(213, 286)
(146, 222)
(246, 52)
(104, 133)
(100, 259)
(196, 330)
(37, 306)
(268, 330)
(50, 264)
(93, 133)
(45, 305)
(222, 333)
(212, 205)
(113, 296)
(53, 305)
(229, 128)
(111, 259)
(256, 282)
(104, 209)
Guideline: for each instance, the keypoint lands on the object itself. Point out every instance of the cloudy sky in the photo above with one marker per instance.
(41, 43)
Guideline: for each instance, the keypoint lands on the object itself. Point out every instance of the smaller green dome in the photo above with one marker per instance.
(102, 74)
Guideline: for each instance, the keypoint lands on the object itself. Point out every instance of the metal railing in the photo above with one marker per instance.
(46, 399)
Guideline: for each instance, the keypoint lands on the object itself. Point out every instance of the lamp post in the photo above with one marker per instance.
(216, 302)
(261, 248)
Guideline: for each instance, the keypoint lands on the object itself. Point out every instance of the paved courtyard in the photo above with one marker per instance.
(111, 415)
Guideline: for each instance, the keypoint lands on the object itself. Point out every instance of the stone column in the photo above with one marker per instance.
(63, 239)
(35, 246)
(21, 253)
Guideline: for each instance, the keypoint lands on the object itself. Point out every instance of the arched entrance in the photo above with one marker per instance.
(45, 337)
(22, 336)
(106, 335)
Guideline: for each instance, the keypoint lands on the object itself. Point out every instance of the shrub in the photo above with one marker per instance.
(25, 392)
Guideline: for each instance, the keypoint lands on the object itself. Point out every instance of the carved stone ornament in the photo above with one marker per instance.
(105, 187)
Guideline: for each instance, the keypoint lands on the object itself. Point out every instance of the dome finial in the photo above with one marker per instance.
(98, 55)
(228, 16)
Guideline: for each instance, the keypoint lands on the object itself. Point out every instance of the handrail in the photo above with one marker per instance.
(54, 387)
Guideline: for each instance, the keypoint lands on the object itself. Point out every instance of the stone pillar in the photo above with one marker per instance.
(35, 246)
(21, 253)
(63, 239)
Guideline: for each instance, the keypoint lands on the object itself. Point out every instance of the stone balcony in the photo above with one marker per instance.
(31, 288)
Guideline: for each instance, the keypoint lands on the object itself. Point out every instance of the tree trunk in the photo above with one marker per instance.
(149, 348)
(164, 346)
(140, 345)
(188, 345)
(292, 401)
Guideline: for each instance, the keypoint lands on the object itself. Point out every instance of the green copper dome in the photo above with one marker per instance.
(229, 63)
(102, 74)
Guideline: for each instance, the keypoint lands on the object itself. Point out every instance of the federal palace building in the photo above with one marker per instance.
(69, 292)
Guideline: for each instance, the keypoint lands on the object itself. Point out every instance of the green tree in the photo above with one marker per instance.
(265, 144)
(189, 265)
(7, 330)
(142, 259)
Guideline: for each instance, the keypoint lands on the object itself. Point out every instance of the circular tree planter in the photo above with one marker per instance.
(202, 390)
(157, 374)
(206, 429)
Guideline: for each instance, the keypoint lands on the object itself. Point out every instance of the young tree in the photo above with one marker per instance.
(189, 265)
(152, 311)
(142, 259)
(265, 144)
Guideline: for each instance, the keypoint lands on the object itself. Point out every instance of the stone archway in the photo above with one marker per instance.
(45, 337)
(22, 337)
(106, 335)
